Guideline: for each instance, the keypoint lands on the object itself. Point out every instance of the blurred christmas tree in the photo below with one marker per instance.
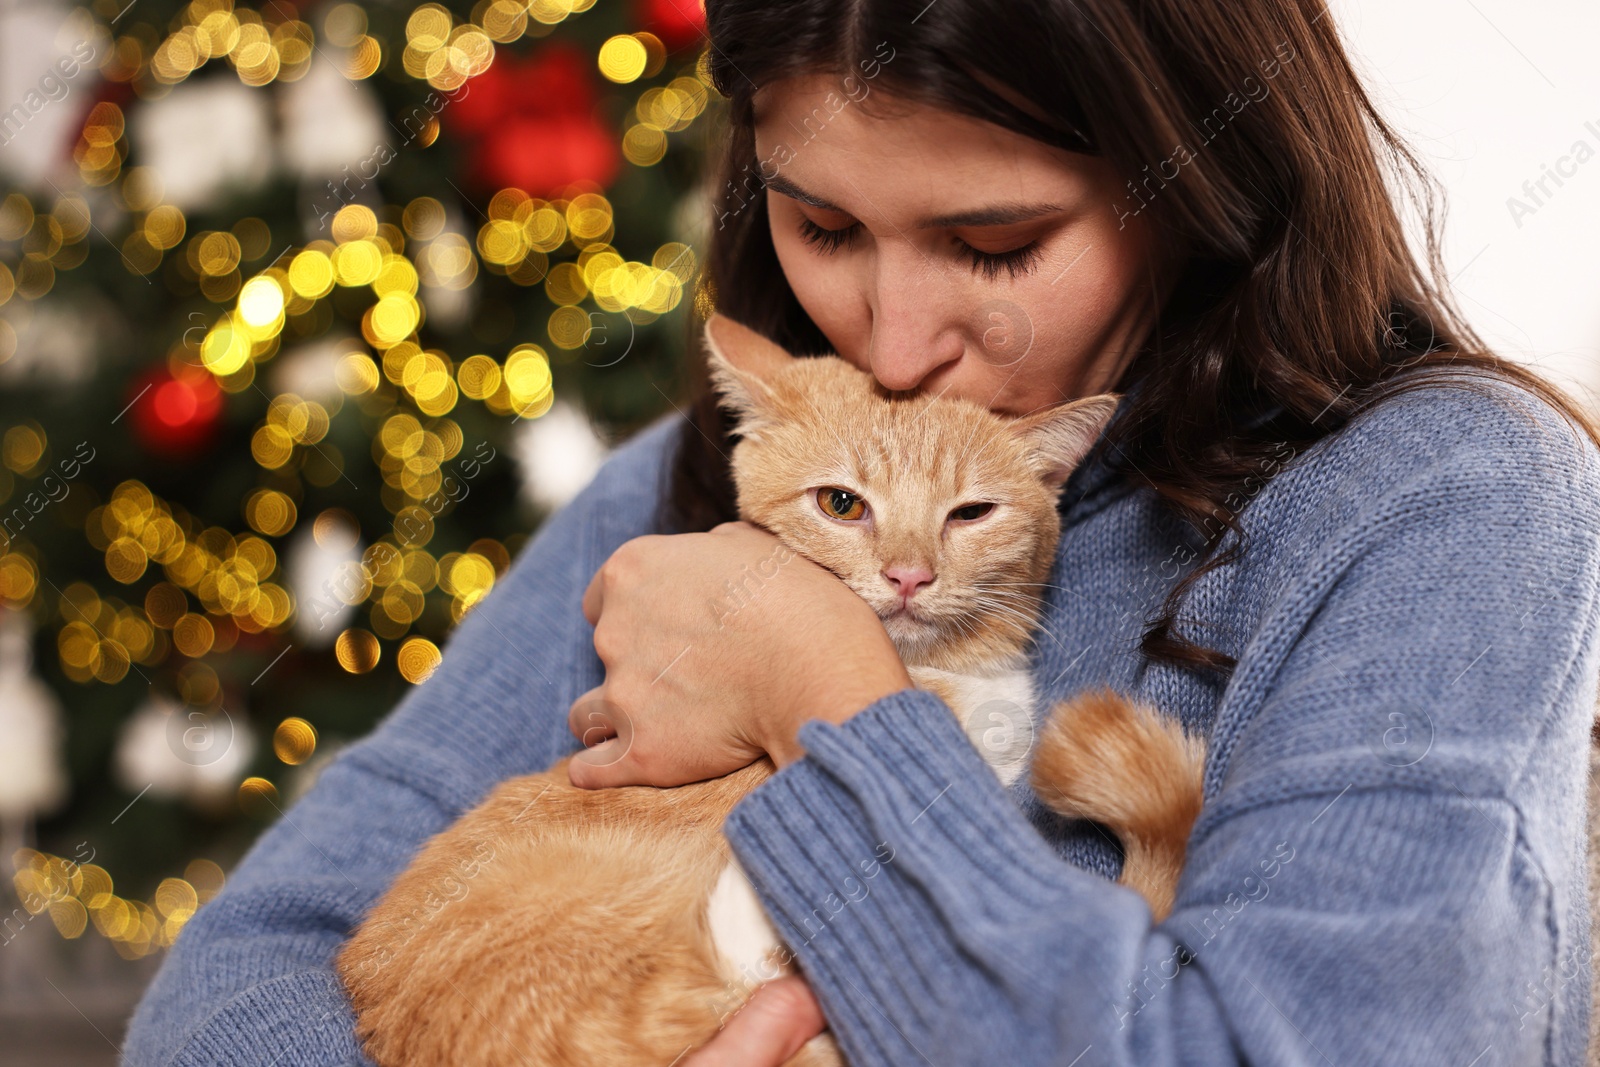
(282, 341)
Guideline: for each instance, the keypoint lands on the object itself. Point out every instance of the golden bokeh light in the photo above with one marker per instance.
(261, 302)
(206, 877)
(423, 218)
(257, 796)
(192, 635)
(163, 226)
(357, 651)
(269, 512)
(354, 222)
(417, 659)
(568, 327)
(356, 373)
(589, 217)
(311, 274)
(357, 262)
(479, 377)
(294, 740)
(165, 604)
(623, 58)
(174, 896)
(22, 448)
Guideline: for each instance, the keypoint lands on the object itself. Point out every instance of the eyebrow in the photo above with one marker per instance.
(994, 215)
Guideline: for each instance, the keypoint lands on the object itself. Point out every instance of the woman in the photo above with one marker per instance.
(1326, 529)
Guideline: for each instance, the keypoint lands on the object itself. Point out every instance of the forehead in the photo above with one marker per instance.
(843, 137)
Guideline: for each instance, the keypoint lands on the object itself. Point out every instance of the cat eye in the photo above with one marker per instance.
(972, 511)
(841, 504)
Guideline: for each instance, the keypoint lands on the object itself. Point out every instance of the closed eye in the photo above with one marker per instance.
(972, 512)
(1016, 261)
(825, 240)
(1020, 260)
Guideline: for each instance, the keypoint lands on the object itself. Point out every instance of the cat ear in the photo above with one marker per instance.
(1062, 435)
(741, 363)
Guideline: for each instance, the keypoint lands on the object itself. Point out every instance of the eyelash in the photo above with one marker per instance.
(1017, 261)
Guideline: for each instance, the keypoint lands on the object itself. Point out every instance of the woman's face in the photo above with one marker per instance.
(949, 255)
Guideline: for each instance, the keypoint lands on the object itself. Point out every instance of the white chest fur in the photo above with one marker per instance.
(995, 711)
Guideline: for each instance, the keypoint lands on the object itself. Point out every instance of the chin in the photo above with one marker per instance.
(909, 632)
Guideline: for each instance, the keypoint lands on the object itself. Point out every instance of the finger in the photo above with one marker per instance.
(594, 767)
(592, 717)
(781, 1016)
(603, 765)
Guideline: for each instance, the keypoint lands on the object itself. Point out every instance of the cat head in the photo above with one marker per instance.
(939, 513)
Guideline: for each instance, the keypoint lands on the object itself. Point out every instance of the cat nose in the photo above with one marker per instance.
(907, 580)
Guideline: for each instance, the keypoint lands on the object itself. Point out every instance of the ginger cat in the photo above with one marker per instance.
(559, 926)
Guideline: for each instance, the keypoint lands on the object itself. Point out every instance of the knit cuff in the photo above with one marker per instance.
(883, 856)
(294, 1020)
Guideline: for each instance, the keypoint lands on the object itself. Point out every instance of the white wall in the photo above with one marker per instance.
(1491, 93)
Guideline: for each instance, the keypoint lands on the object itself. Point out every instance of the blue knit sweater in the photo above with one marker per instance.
(1389, 867)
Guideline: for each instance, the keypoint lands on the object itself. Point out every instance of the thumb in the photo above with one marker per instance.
(603, 765)
(779, 1017)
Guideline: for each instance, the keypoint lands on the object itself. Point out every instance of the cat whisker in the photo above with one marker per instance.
(1013, 597)
(1032, 585)
(1006, 611)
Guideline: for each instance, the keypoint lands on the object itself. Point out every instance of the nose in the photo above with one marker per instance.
(907, 580)
(910, 339)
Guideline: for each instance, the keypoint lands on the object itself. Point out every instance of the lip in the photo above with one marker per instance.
(903, 610)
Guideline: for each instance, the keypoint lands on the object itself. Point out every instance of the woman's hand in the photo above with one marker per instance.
(770, 1027)
(717, 646)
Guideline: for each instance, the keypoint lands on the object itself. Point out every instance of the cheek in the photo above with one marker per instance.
(1071, 315)
(826, 287)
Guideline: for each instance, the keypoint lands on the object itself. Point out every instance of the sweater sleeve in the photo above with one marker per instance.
(1390, 870)
(251, 979)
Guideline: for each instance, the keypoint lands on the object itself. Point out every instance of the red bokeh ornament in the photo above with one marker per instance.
(679, 23)
(530, 124)
(175, 416)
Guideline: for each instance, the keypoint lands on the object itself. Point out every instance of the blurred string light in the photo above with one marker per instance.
(518, 240)
(78, 895)
(41, 243)
(445, 53)
(660, 110)
(215, 584)
(261, 46)
(227, 575)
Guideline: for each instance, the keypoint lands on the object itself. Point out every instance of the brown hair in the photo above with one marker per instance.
(1297, 303)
